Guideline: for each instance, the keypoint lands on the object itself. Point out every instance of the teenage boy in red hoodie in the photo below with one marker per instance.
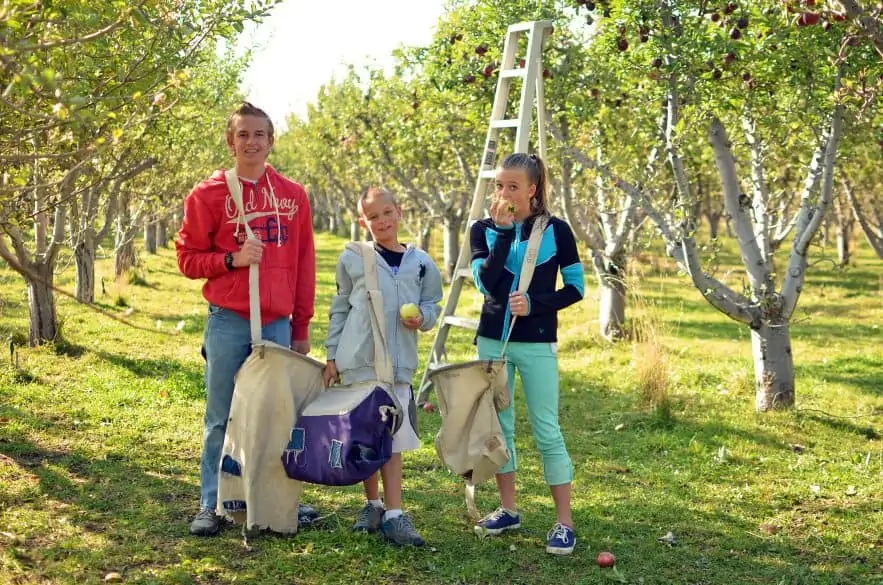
(212, 244)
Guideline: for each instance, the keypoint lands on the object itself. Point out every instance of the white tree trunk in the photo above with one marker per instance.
(84, 257)
(773, 367)
(355, 230)
(41, 302)
(451, 246)
(612, 310)
(332, 223)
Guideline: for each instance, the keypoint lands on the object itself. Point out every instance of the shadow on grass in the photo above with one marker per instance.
(862, 372)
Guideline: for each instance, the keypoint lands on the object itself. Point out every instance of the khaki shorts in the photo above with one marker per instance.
(406, 438)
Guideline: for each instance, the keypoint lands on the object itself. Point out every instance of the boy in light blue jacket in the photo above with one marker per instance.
(406, 276)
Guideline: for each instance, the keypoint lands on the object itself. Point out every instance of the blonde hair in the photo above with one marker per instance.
(375, 193)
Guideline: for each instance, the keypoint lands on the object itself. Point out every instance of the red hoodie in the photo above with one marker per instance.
(211, 228)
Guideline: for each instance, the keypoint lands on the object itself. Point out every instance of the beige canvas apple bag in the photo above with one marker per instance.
(470, 441)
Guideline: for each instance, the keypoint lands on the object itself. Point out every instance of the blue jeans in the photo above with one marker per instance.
(227, 345)
(537, 365)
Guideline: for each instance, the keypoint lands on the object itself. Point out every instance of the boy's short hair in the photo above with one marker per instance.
(249, 109)
(374, 193)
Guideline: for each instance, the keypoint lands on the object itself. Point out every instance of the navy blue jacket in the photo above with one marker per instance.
(497, 255)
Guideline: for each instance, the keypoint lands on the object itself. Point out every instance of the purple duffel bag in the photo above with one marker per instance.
(343, 436)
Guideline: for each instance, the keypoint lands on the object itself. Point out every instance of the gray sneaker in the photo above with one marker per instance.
(401, 531)
(206, 523)
(369, 520)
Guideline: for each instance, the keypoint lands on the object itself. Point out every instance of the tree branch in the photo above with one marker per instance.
(874, 234)
(736, 205)
(811, 218)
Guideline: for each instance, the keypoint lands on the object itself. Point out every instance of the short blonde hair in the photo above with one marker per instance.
(375, 193)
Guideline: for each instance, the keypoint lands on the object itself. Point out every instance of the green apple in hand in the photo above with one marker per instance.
(409, 311)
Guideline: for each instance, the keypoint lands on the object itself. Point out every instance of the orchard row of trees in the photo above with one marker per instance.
(760, 115)
(110, 112)
(764, 114)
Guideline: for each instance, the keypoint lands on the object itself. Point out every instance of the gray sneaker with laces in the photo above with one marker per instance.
(370, 518)
(206, 523)
(400, 530)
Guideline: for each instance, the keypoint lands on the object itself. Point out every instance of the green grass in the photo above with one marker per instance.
(100, 440)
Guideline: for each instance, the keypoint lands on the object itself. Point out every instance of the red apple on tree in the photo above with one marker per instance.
(808, 19)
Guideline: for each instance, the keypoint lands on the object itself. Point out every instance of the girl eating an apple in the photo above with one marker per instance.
(499, 246)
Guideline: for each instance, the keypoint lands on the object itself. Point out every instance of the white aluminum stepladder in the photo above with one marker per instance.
(531, 97)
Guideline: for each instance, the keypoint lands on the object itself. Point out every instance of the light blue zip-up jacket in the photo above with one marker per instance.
(350, 341)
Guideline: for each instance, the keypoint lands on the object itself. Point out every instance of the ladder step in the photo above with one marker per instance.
(490, 174)
(520, 27)
(464, 273)
(508, 73)
(511, 123)
(463, 322)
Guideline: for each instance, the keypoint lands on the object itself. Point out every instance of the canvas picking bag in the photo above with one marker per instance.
(470, 441)
(271, 387)
(344, 435)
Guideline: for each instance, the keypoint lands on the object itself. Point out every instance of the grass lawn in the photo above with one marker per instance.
(100, 439)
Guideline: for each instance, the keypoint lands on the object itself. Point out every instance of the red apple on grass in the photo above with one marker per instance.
(606, 560)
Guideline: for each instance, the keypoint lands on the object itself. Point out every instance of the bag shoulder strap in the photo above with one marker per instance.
(527, 267)
(382, 363)
(532, 253)
(254, 290)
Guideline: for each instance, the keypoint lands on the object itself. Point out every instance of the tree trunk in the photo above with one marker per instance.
(451, 246)
(773, 367)
(612, 308)
(338, 222)
(424, 237)
(842, 245)
(124, 246)
(150, 235)
(84, 257)
(125, 258)
(41, 302)
(162, 233)
(355, 231)
(714, 221)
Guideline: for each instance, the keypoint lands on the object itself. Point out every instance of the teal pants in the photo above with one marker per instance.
(537, 365)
